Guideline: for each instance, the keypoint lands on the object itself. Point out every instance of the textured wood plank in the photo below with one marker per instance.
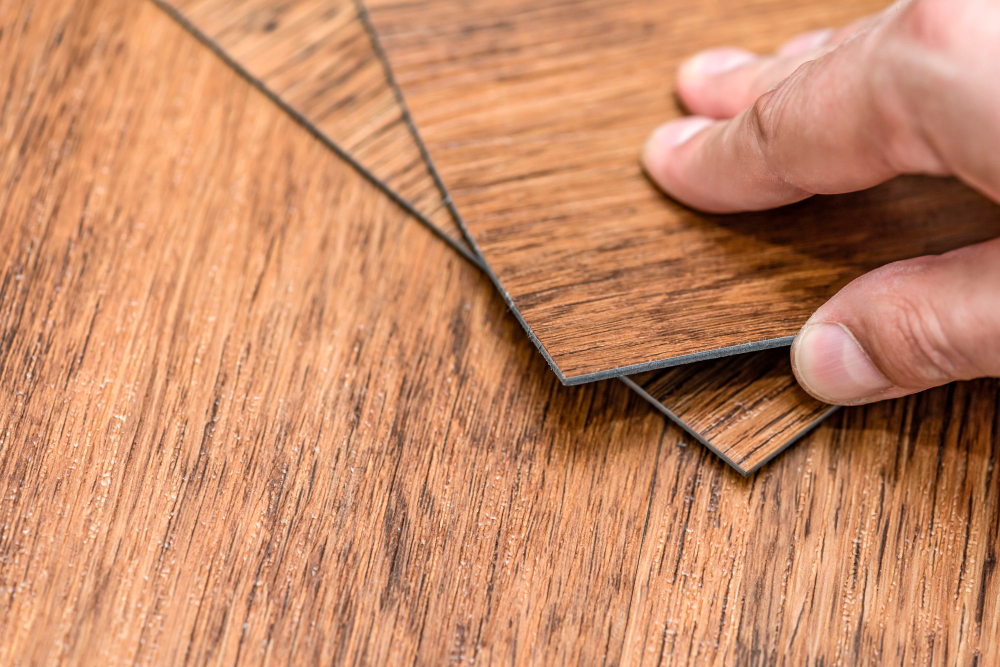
(316, 57)
(746, 409)
(242, 425)
(535, 112)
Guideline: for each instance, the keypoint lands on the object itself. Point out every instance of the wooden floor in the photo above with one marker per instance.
(535, 113)
(240, 424)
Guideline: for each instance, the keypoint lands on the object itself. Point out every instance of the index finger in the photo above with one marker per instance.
(823, 130)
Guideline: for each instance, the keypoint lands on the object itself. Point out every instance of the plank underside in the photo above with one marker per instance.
(534, 113)
(316, 56)
(252, 414)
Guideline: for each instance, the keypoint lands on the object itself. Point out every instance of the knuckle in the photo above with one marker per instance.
(767, 120)
(932, 50)
(763, 119)
(927, 23)
(765, 114)
(759, 118)
(901, 55)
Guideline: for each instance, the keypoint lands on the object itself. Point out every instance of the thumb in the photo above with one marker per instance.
(905, 327)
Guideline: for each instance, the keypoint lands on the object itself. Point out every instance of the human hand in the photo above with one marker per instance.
(913, 90)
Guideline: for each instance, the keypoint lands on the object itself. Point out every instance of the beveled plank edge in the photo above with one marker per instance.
(620, 371)
(680, 422)
(318, 134)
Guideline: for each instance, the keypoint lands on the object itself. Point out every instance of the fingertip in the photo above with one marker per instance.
(696, 74)
(805, 43)
(658, 153)
(831, 365)
(676, 133)
(713, 62)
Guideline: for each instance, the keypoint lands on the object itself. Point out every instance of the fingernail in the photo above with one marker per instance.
(806, 42)
(714, 62)
(831, 365)
(673, 134)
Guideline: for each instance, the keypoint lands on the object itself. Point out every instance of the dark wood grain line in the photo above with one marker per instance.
(535, 114)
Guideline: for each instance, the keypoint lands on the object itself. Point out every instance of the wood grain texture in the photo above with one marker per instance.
(874, 542)
(243, 425)
(535, 113)
(746, 410)
(316, 56)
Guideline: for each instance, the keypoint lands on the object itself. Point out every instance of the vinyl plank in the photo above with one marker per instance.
(534, 113)
(746, 410)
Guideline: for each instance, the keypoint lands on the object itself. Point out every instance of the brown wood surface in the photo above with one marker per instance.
(874, 542)
(242, 423)
(746, 409)
(535, 111)
(316, 56)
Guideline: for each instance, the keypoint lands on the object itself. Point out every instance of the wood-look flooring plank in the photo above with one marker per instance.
(316, 58)
(242, 424)
(535, 112)
(746, 410)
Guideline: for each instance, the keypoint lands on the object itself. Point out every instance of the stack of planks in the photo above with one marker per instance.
(253, 413)
(522, 146)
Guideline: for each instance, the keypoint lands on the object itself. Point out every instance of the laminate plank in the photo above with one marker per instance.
(746, 410)
(242, 424)
(315, 57)
(534, 113)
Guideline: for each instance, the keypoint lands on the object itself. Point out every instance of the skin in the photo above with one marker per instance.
(913, 90)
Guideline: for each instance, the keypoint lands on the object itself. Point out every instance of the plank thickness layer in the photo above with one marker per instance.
(242, 425)
(745, 410)
(535, 111)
